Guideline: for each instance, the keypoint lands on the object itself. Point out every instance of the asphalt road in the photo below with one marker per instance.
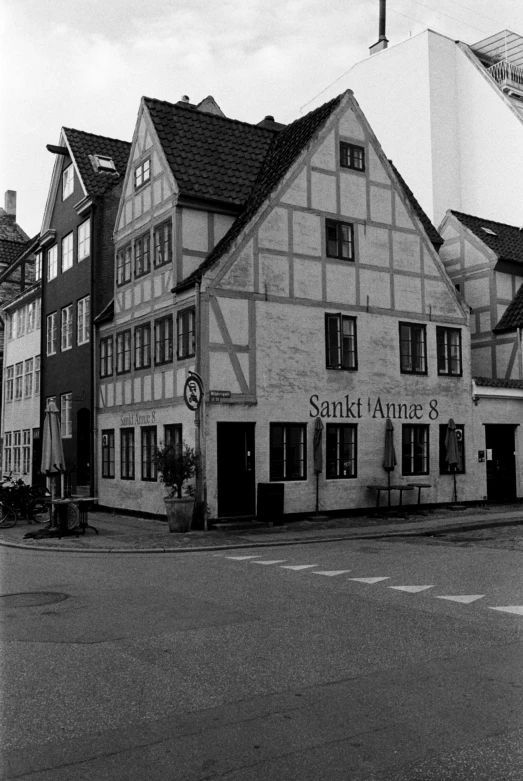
(288, 665)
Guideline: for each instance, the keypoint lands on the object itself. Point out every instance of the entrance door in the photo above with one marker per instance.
(501, 469)
(83, 450)
(236, 488)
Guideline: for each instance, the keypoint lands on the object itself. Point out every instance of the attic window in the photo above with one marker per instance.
(142, 173)
(104, 163)
(487, 230)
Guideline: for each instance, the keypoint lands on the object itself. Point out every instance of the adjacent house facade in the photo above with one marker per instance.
(316, 293)
(76, 256)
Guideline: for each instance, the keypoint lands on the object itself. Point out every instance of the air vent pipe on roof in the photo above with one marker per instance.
(382, 40)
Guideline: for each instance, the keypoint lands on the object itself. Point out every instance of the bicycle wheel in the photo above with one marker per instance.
(41, 513)
(73, 516)
(7, 516)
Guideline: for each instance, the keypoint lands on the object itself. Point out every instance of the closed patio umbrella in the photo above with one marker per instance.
(318, 455)
(389, 457)
(452, 453)
(53, 462)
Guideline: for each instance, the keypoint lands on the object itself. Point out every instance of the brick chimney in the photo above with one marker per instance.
(10, 203)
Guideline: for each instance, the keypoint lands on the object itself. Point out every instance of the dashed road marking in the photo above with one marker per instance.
(298, 566)
(411, 589)
(517, 609)
(331, 573)
(369, 580)
(465, 599)
(275, 561)
(242, 558)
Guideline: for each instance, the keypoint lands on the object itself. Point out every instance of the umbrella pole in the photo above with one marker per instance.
(455, 490)
(317, 492)
(388, 483)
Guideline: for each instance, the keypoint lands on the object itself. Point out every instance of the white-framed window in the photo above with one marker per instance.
(20, 321)
(38, 266)
(84, 239)
(31, 316)
(38, 313)
(26, 451)
(37, 375)
(17, 450)
(66, 420)
(52, 262)
(19, 380)
(83, 320)
(9, 383)
(8, 463)
(67, 252)
(67, 182)
(28, 378)
(142, 173)
(10, 323)
(67, 327)
(51, 333)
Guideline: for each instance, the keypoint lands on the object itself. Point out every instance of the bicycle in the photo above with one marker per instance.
(20, 500)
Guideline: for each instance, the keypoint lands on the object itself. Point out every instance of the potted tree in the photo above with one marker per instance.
(176, 464)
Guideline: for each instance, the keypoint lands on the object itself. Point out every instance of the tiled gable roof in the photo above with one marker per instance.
(84, 144)
(505, 240)
(10, 250)
(488, 382)
(210, 156)
(430, 230)
(513, 316)
(287, 145)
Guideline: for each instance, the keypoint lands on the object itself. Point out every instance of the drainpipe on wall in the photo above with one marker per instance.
(520, 352)
(199, 419)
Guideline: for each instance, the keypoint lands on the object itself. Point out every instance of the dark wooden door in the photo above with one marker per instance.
(501, 468)
(236, 486)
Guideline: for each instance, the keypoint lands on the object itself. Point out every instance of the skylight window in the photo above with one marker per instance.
(487, 230)
(103, 163)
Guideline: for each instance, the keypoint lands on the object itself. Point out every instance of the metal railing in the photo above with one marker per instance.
(507, 74)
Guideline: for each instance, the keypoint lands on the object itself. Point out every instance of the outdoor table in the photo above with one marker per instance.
(81, 503)
(419, 486)
(388, 489)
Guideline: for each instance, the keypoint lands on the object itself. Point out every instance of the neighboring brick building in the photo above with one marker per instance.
(76, 256)
(307, 285)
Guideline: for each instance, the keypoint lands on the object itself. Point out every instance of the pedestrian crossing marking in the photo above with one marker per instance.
(331, 573)
(411, 589)
(275, 561)
(242, 558)
(465, 599)
(517, 609)
(368, 580)
(298, 566)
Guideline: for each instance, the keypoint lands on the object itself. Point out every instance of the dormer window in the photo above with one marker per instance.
(67, 182)
(103, 163)
(142, 173)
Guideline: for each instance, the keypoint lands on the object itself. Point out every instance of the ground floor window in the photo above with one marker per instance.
(8, 453)
(172, 434)
(148, 451)
(415, 450)
(26, 451)
(341, 450)
(17, 451)
(66, 409)
(127, 453)
(108, 453)
(288, 451)
(444, 468)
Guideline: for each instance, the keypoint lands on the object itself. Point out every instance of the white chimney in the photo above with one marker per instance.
(10, 202)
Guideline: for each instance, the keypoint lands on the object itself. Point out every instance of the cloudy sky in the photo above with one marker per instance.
(86, 63)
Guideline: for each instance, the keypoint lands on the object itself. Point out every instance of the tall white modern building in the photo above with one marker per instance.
(450, 116)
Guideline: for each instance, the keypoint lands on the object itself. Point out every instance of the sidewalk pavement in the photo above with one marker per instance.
(124, 534)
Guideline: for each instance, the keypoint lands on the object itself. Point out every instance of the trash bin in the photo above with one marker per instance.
(270, 502)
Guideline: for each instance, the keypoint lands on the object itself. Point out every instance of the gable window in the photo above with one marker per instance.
(37, 375)
(127, 453)
(341, 450)
(123, 265)
(163, 340)
(415, 450)
(162, 244)
(9, 385)
(108, 452)
(66, 408)
(19, 373)
(67, 252)
(186, 340)
(84, 239)
(340, 239)
(67, 182)
(142, 258)
(448, 342)
(67, 327)
(142, 173)
(52, 262)
(106, 356)
(28, 378)
(352, 156)
(38, 266)
(83, 325)
(444, 468)
(123, 352)
(340, 339)
(51, 333)
(413, 348)
(288, 451)
(148, 451)
(142, 346)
